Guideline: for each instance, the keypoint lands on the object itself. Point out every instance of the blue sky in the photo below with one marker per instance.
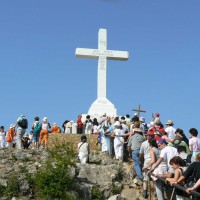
(40, 75)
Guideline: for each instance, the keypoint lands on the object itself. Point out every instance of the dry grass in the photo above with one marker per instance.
(74, 139)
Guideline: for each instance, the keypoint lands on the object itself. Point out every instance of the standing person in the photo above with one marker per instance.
(166, 154)
(146, 157)
(10, 135)
(22, 125)
(134, 145)
(2, 137)
(143, 125)
(135, 118)
(83, 150)
(118, 141)
(95, 126)
(194, 142)
(79, 125)
(64, 125)
(170, 130)
(44, 133)
(36, 127)
(88, 125)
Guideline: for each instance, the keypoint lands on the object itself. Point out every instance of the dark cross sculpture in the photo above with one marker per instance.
(139, 111)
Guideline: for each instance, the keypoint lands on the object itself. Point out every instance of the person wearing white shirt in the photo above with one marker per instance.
(170, 130)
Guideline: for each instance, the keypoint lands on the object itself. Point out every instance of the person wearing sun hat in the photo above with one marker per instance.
(170, 130)
(44, 133)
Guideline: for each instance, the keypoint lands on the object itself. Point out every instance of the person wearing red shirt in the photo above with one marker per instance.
(79, 125)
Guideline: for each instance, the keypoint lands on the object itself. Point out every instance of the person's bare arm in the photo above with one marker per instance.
(153, 160)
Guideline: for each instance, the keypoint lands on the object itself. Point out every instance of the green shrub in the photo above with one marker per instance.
(116, 190)
(2, 190)
(13, 187)
(96, 193)
(54, 180)
(26, 159)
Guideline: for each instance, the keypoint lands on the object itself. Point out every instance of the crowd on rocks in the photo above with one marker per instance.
(157, 150)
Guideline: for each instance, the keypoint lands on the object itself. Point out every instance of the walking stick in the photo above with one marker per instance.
(172, 193)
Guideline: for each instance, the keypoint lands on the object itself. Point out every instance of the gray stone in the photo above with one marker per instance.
(115, 197)
(3, 182)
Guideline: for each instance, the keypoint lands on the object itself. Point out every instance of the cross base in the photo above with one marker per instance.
(101, 106)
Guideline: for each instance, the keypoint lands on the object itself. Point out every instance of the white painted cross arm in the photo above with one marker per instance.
(95, 53)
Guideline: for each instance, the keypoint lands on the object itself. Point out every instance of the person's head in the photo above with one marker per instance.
(12, 126)
(45, 119)
(162, 144)
(117, 124)
(127, 116)
(95, 120)
(157, 115)
(142, 120)
(193, 132)
(169, 123)
(137, 124)
(122, 118)
(150, 134)
(2, 128)
(197, 157)
(83, 138)
(177, 162)
(152, 124)
(181, 149)
(179, 132)
(88, 117)
(116, 119)
(31, 133)
(36, 118)
(153, 143)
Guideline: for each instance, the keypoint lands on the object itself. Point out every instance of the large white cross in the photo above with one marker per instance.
(102, 54)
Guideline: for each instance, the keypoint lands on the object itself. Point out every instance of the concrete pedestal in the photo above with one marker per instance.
(101, 106)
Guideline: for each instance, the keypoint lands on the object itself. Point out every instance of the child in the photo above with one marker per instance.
(83, 150)
(178, 165)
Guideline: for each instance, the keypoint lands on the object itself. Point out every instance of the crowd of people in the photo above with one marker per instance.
(158, 151)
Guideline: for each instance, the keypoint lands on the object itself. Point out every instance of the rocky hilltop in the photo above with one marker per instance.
(55, 173)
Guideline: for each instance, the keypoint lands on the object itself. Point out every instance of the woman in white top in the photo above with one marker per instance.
(118, 141)
(83, 150)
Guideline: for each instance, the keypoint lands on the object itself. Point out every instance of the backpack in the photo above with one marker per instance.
(144, 128)
(23, 123)
(37, 128)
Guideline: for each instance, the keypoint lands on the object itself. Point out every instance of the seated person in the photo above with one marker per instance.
(26, 141)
